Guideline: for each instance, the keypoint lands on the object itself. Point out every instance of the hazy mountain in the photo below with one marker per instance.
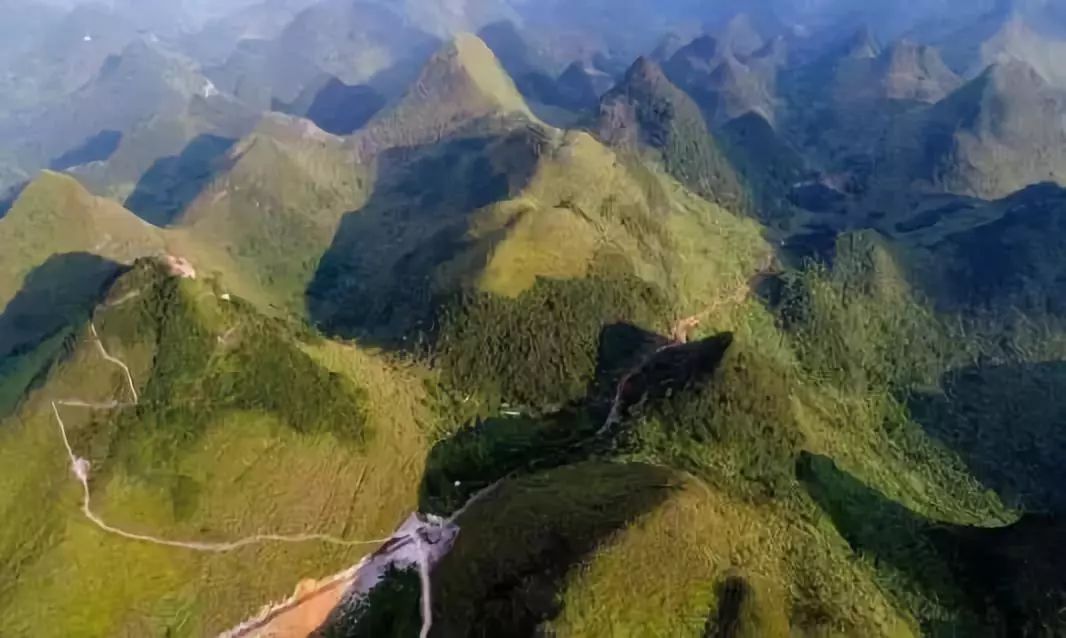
(58, 56)
(669, 45)
(628, 28)
(580, 86)
(999, 133)
(724, 86)
(1005, 35)
(532, 68)
(741, 36)
(451, 17)
(842, 106)
(910, 71)
(26, 22)
(140, 128)
(262, 20)
(354, 42)
(1017, 41)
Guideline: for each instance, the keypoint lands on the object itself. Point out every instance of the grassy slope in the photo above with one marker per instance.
(260, 227)
(776, 394)
(649, 252)
(268, 219)
(661, 576)
(235, 471)
(56, 215)
(461, 83)
(662, 229)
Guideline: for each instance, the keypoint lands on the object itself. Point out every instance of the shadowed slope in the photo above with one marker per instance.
(56, 215)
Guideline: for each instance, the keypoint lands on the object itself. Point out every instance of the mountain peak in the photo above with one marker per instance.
(741, 37)
(466, 60)
(863, 44)
(58, 189)
(647, 110)
(644, 107)
(914, 71)
(729, 73)
(1012, 76)
(645, 71)
(462, 83)
(704, 47)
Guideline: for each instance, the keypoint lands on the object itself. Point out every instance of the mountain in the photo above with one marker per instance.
(1005, 259)
(533, 67)
(741, 36)
(461, 83)
(580, 86)
(843, 106)
(769, 346)
(273, 210)
(513, 49)
(999, 133)
(767, 164)
(65, 54)
(909, 71)
(224, 396)
(628, 29)
(62, 246)
(723, 86)
(136, 130)
(356, 43)
(646, 110)
(448, 19)
(1018, 41)
(466, 224)
(1006, 34)
(263, 20)
(259, 221)
(27, 21)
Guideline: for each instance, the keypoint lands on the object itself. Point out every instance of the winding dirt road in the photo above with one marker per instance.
(421, 541)
(81, 469)
(309, 607)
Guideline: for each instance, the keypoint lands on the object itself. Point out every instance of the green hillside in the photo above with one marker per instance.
(467, 240)
(647, 110)
(62, 246)
(227, 398)
(462, 83)
(268, 217)
(775, 481)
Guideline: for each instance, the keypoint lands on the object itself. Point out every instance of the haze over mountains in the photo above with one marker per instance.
(703, 319)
